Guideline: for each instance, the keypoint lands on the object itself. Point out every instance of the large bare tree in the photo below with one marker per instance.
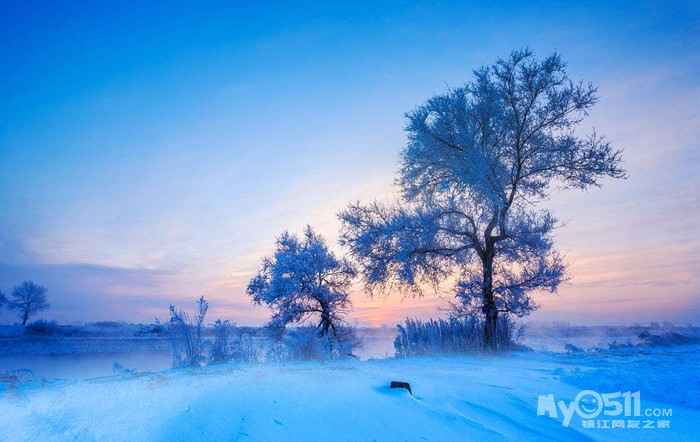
(478, 162)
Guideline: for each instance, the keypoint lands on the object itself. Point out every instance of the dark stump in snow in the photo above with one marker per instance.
(397, 384)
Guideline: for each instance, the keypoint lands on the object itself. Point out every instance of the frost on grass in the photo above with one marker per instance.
(14, 378)
(452, 336)
(186, 335)
(191, 347)
(221, 347)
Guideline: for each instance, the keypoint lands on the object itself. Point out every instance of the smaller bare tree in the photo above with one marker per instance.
(303, 279)
(28, 299)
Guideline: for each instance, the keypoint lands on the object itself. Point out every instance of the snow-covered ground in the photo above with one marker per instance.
(455, 398)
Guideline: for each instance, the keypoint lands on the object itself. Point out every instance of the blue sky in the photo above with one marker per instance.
(149, 154)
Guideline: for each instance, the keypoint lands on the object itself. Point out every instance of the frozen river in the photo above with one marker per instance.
(79, 357)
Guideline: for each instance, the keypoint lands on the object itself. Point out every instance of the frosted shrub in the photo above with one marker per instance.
(43, 328)
(452, 336)
(186, 335)
(304, 343)
(221, 347)
(191, 349)
(245, 349)
(348, 341)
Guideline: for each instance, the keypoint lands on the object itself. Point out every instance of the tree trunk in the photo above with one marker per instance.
(325, 322)
(489, 308)
(26, 316)
(490, 329)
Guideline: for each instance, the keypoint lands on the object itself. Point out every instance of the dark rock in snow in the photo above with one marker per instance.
(397, 384)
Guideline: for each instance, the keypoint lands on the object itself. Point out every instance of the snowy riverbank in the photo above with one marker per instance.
(456, 398)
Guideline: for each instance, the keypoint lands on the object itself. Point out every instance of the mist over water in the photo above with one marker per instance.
(88, 357)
